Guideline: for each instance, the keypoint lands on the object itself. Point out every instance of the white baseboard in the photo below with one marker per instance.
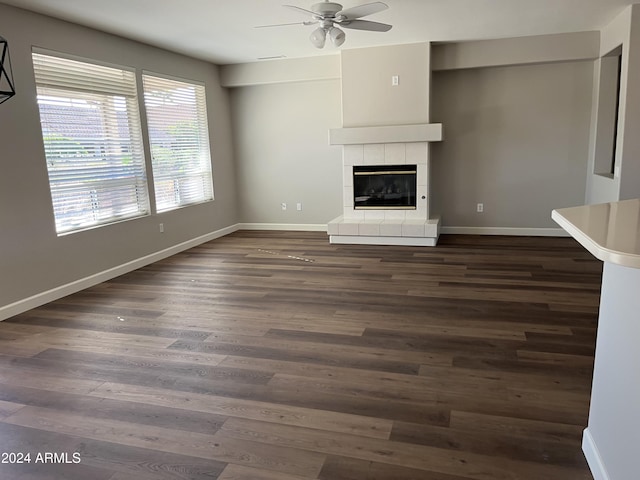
(593, 457)
(62, 291)
(312, 227)
(526, 232)
(395, 241)
(293, 227)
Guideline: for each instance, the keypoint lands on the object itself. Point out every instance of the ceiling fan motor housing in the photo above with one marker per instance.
(326, 9)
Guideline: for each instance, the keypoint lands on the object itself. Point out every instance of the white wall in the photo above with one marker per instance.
(283, 153)
(33, 259)
(611, 441)
(516, 139)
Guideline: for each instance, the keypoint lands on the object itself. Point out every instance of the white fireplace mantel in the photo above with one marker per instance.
(425, 132)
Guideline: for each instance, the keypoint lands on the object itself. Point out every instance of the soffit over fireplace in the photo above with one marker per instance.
(426, 132)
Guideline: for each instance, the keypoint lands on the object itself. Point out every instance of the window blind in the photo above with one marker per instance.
(92, 140)
(179, 139)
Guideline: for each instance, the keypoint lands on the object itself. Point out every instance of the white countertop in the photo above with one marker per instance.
(610, 231)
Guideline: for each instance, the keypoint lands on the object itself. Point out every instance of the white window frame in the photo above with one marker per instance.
(106, 182)
(180, 160)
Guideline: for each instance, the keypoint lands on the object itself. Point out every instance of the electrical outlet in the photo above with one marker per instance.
(395, 80)
(299, 207)
(161, 227)
(480, 208)
(283, 206)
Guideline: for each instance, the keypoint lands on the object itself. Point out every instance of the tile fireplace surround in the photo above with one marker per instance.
(386, 145)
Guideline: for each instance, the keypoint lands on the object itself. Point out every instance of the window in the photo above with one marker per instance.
(92, 140)
(179, 139)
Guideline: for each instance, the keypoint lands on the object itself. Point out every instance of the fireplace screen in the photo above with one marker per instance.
(390, 187)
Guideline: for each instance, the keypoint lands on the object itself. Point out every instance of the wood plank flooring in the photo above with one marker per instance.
(277, 356)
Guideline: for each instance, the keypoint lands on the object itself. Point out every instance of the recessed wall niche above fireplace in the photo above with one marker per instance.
(384, 187)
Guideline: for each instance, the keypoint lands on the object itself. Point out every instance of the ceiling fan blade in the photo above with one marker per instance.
(286, 24)
(366, 25)
(363, 10)
(300, 10)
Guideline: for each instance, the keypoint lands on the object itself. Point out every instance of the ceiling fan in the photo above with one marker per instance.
(330, 16)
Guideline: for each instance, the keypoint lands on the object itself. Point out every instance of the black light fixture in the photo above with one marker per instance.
(7, 90)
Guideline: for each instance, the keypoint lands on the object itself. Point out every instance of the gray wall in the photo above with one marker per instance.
(282, 70)
(33, 259)
(504, 52)
(516, 139)
(283, 153)
(625, 184)
(369, 98)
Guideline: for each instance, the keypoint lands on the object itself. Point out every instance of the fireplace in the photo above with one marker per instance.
(399, 214)
(384, 187)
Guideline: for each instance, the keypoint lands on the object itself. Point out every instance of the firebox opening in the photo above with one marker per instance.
(384, 187)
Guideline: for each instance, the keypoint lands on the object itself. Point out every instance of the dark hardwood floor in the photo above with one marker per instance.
(277, 356)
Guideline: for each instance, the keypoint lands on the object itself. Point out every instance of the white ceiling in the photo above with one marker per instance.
(223, 31)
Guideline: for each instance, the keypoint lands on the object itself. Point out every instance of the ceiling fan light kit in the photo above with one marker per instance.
(318, 37)
(337, 36)
(331, 15)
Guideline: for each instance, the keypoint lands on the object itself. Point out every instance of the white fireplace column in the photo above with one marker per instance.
(390, 145)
